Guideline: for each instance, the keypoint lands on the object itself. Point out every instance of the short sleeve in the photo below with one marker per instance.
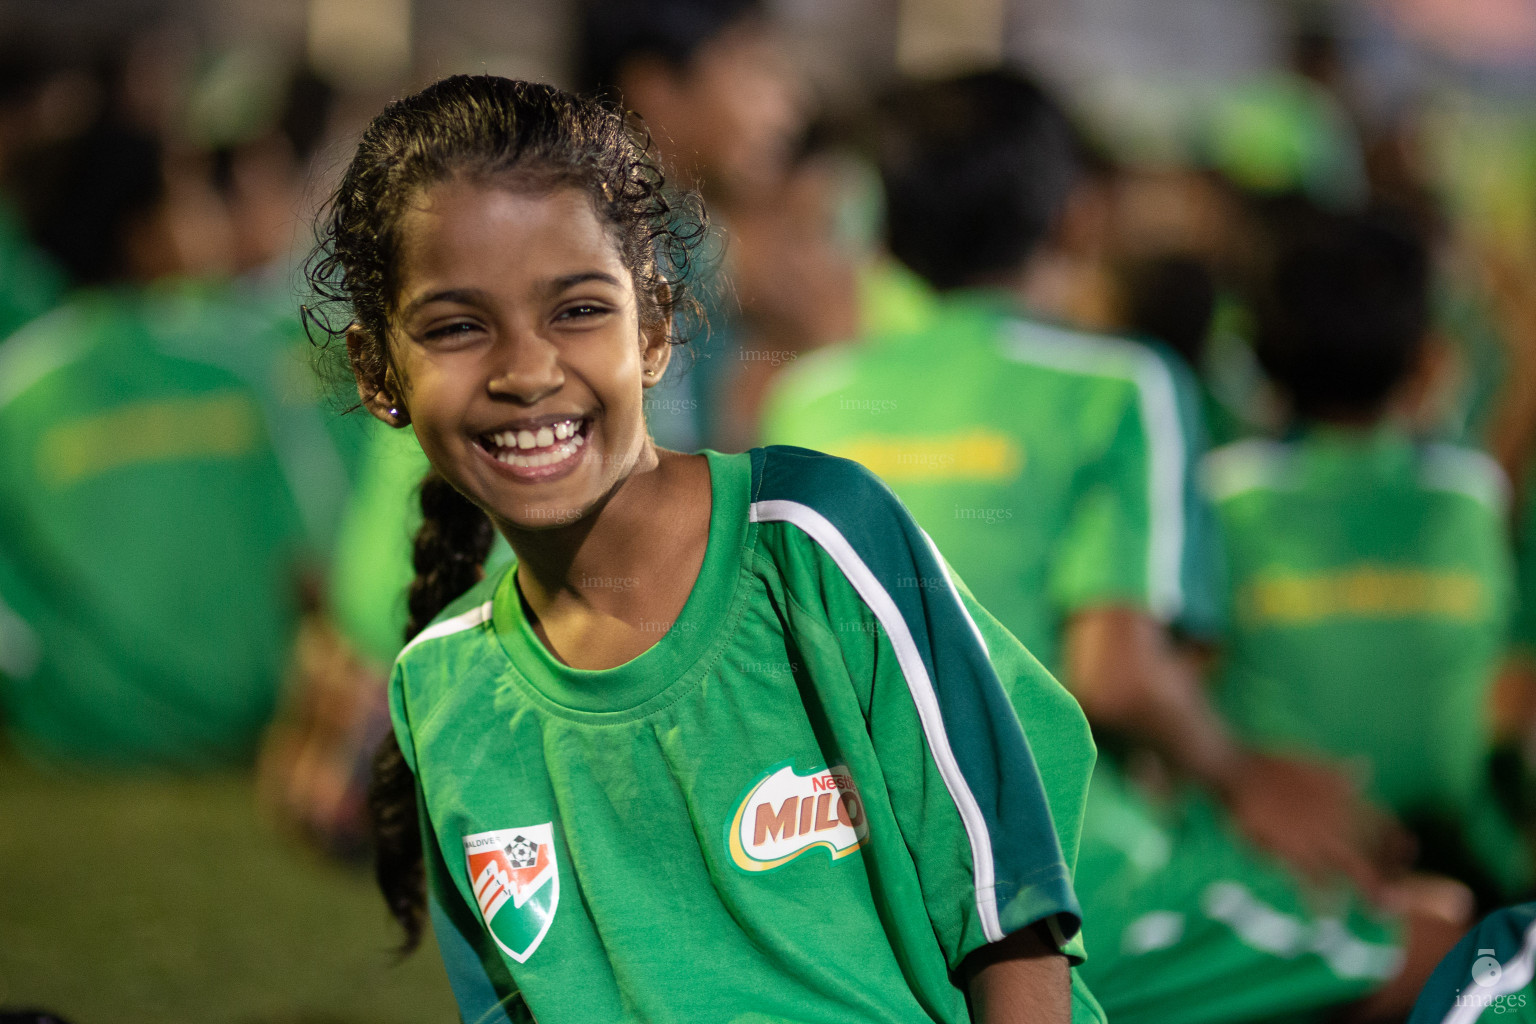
(1057, 732)
(978, 815)
(1487, 976)
(1020, 740)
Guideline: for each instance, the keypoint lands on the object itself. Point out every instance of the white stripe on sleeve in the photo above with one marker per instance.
(818, 528)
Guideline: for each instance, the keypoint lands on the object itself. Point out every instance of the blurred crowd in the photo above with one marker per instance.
(1329, 307)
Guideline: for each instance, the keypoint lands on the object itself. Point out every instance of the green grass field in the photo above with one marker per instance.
(161, 900)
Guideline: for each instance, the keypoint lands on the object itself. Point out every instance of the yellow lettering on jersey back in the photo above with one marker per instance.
(1362, 592)
(979, 454)
(224, 425)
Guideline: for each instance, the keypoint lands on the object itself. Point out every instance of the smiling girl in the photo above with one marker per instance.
(727, 742)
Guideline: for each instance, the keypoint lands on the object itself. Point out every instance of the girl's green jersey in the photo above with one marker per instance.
(807, 802)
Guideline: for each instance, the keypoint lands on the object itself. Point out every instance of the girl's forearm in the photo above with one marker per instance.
(1021, 980)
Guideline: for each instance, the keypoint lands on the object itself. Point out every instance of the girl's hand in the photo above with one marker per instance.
(1024, 979)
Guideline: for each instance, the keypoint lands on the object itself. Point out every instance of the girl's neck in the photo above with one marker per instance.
(597, 588)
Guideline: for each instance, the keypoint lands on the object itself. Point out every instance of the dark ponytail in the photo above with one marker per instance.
(450, 550)
(451, 546)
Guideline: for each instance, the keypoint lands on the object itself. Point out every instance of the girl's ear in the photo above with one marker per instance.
(374, 387)
(656, 341)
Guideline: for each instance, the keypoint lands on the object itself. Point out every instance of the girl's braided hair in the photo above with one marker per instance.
(449, 550)
(517, 135)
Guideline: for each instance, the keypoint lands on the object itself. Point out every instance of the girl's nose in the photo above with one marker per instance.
(527, 369)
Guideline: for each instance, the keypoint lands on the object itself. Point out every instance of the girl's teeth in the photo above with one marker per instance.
(515, 457)
(566, 433)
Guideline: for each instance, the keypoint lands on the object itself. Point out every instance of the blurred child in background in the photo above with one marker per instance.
(729, 115)
(1370, 575)
(1055, 470)
(151, 532)
(796, 264)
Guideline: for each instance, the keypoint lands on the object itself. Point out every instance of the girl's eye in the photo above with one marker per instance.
(450, 331)
(581, 311)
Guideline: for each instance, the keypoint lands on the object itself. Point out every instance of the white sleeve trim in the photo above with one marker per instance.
(1466, 471)
(818, 528)
(1242, 466)
(460, 622)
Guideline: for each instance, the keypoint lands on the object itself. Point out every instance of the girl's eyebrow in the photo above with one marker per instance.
(469, 296)
(560, 284)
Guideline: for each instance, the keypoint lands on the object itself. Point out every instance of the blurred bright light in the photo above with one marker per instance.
(361, 43)
(937, 37)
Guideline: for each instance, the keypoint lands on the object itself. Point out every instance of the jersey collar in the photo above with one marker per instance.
(679, 648)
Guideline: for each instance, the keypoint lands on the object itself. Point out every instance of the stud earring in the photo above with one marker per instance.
(650, 373)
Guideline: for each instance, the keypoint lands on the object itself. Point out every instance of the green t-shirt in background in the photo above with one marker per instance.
(812, 788)
(149, 532)
(371, 570)
(1370, 592)
(1371, 589)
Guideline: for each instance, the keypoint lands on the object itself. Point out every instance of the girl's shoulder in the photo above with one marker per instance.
(827, 514)
(464, 618)
(836, 488)
(834, 503)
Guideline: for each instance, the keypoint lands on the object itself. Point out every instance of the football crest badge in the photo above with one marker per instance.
(516, 884)
(783, 814)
